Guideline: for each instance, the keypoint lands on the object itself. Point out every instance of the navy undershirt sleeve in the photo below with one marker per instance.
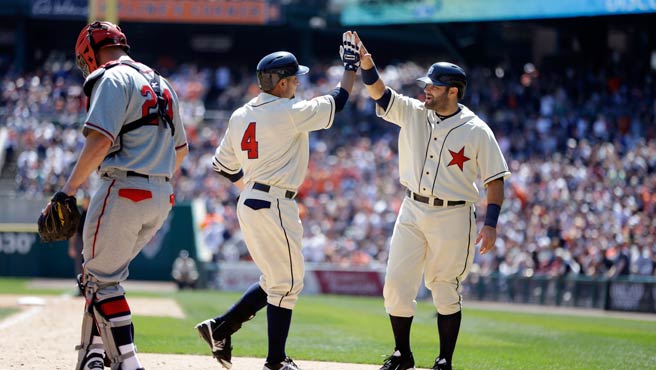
(341, 96)
(384, 100)
(232, 177)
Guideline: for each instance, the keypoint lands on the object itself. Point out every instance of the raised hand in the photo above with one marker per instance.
(367, 61)
(349, 51)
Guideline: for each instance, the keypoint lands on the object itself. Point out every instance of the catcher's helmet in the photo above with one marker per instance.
(93, 37)
(446, 74)
(276, 66)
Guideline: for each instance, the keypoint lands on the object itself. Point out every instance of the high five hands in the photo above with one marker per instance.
(349, 51)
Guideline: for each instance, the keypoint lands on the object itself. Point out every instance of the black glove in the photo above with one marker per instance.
(60, 218)
(349, 52)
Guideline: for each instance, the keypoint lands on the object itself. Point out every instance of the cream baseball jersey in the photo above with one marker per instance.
(453, 150)
(268, 139)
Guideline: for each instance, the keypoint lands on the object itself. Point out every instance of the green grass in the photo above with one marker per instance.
(4, 312)
(354, 329)
(21, 286)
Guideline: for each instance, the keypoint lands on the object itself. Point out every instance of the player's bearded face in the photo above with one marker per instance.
(436, 97)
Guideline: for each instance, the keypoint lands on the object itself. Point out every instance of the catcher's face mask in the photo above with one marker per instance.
(94, 37)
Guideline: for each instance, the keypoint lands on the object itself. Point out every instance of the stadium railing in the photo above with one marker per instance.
(629, 293)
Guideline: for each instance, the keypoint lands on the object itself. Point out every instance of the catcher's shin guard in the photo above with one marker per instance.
(106, 313)
(88, 287)
(86, 344)
(114, 322)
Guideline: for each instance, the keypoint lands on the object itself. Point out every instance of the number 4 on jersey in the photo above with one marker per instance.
(248, 142)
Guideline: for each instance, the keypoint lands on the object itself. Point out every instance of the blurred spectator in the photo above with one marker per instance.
(580, 142)
(184, 271)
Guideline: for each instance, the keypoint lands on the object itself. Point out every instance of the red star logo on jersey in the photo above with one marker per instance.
(458, 158)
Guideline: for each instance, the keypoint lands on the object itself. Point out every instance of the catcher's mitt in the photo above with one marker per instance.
(60, 218)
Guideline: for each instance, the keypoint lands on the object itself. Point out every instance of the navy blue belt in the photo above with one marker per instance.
(266, 188)
(436, 201)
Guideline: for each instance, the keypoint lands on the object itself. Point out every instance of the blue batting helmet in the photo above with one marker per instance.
(446, 74)
(276, 66)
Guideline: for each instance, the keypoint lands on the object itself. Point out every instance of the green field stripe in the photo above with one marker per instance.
(357, 330)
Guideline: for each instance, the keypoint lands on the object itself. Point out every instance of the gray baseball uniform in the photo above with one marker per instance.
(268, 139)
(439, 161)
(135, 196)
(136, 139)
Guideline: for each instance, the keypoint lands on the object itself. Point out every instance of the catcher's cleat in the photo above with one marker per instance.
(221, 347)
(396, 361)
(441, 364)
(94, 361)
(286, 364)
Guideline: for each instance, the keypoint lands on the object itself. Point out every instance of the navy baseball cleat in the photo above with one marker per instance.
(441, 364)
(396, 361)
(221, 347)
(286, 364)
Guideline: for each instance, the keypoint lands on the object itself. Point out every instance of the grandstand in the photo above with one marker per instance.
(571, 101)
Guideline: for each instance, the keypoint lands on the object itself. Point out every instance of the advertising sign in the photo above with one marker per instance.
(377, 12)
(59, 9)
(196, 11)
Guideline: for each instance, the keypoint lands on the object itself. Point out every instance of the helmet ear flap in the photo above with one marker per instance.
(267, 81)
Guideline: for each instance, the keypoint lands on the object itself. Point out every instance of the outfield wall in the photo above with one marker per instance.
(23, 255)
(632, 294)
(319, 279)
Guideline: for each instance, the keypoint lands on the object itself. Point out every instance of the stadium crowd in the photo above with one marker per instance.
(580, 143)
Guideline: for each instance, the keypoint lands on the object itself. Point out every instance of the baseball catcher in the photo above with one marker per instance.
(60, 218)
(129, 108)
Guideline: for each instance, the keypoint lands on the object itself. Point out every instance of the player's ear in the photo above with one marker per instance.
(454, 91)
(281, 85)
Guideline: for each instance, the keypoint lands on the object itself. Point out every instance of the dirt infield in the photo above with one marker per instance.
(44, 333)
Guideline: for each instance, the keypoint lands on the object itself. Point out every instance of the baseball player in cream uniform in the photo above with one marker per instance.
(265, 152)
(135, 139)
(443, 147)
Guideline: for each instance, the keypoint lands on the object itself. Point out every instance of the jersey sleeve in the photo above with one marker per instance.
(490, 159)
(107, 107)
(314, 114)
(180, 136)
(225, 160)
(400, 109)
